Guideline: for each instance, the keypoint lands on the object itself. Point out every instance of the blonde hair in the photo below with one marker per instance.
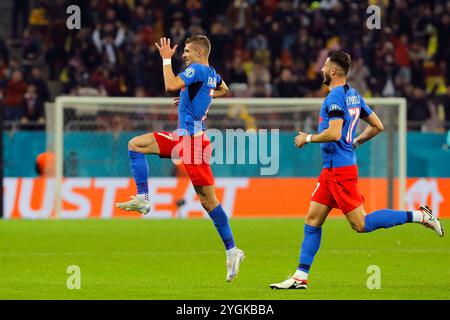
(200, 40)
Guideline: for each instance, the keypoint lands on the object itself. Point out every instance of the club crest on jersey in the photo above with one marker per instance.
(335, 107)
(189, 72)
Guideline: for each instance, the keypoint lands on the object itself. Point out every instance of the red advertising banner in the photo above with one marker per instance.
(34, 198)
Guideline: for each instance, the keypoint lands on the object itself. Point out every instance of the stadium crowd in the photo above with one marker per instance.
(262, 48)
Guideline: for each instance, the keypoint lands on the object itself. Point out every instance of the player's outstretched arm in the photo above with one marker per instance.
(375, 126)
(171, 82)
(221, 90)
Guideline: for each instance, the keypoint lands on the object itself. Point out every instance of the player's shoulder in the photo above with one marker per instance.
(336, 96)
(192, 68)
(199, 69)
(353, 97)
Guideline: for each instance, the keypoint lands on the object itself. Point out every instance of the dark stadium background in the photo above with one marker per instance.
(273, 48)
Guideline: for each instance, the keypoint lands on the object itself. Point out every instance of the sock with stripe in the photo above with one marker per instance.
(310, 246)
(387, 218)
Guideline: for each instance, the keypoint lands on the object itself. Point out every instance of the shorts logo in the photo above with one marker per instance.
(335, 107)
(168, 136)
(189, 72)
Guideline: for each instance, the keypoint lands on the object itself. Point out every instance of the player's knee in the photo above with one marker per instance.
(207, 205)
(312, 221)
(132, 146)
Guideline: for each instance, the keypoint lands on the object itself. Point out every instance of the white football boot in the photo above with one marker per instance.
(137, 203)
(431, 221)
(291, 283)
(233, 263)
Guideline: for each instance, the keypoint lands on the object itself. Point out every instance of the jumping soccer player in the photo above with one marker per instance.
(199, 84)
(337, 186)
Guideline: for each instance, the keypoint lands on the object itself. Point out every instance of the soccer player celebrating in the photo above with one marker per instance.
(199, 84)
(337, 184)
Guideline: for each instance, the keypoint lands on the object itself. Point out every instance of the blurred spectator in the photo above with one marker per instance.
(31, 50)
(32, 106)
(38, 81)
(236, 73)
(219, 37)
(140, 20)
(286, 85)
(20, 14)
(39, 19)
(177, 32)
(418, 108)
(107, 41)
(107, 80)
(12, 101)
(240, 14)
(358, 75)
(259, 80)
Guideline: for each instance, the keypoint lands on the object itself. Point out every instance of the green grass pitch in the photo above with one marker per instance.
(185, 259)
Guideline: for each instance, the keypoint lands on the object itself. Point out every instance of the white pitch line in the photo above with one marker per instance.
(128, 253)
(107, 253)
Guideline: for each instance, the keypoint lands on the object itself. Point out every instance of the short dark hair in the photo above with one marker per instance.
(342, 59)
(201, 40)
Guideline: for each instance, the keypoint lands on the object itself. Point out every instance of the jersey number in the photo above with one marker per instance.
(354, 114)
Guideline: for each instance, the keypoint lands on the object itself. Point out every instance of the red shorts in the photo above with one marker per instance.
(338, 188)
(194, 152)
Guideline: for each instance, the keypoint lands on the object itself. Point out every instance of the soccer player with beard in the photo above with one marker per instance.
(199, 84)
(337, 186)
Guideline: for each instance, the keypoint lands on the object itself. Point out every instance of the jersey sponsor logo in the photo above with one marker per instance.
(189, 72)
(165, 135)
(212, 82)
(352, 100)
(335, 107)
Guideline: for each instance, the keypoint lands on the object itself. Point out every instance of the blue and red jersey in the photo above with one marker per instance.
(343, 102)
(196, 97)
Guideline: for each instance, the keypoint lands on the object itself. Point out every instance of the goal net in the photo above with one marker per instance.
(89, 137)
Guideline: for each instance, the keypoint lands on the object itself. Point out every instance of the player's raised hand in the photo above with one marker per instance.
(176, 101)
(300, 140)
(164, 48)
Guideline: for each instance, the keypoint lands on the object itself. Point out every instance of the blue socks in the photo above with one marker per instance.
(220, 220)
(379, 219)
(139, 169)
(386, 218)
(310, 246)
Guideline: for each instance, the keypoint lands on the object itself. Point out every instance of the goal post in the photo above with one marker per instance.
(71, 113)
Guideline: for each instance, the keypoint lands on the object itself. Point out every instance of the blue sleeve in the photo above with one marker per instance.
(335, 107)
(190, 75)
(219, 80)
(365, 109)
